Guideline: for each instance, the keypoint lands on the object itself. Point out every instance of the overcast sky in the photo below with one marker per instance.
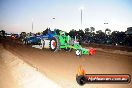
(17, 15)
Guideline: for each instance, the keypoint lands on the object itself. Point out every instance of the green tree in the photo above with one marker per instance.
(92, 29)
(86, 30)
(107, 31)
(99, 31)
(72, 33)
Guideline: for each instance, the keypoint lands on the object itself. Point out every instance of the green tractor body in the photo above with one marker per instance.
(65, 42)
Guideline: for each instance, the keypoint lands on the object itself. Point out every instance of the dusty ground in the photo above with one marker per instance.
(6, 79)
(15, 73)
(62, 66)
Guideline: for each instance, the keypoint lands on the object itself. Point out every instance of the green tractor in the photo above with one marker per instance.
(63, 41)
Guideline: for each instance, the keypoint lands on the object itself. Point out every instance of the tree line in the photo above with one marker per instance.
(89, 35)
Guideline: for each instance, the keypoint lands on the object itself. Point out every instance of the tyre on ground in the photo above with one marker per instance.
(54, 44)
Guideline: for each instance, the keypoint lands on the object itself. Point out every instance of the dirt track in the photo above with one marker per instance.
(62, 66)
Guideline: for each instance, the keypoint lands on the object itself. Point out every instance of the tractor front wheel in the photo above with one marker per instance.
(78, 52)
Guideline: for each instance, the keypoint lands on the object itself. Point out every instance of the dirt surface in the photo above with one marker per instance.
(62, 66)
(6, 79)
(15, 73)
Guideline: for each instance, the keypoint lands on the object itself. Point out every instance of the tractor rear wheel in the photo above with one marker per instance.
(54, 44)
